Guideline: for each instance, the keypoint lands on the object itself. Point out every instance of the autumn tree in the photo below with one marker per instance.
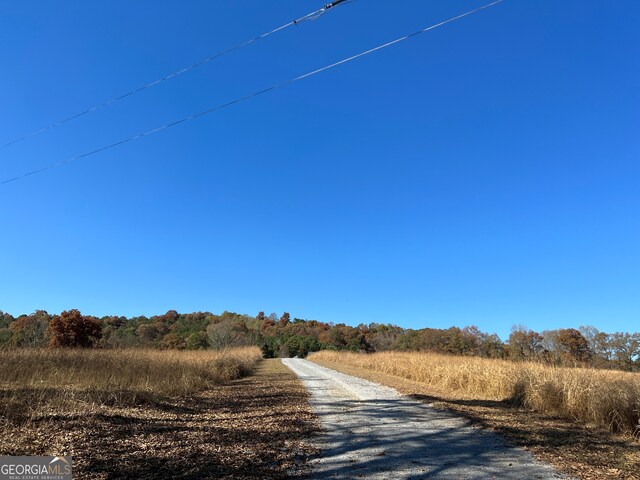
(267, 324)
(572, 345)
(72, 329)
(114, 321)
(150, 333)
(381, 337)
(171, 341)
(626, 349)
(484, 344)
(30, 330)
(600, 344)
(524, 344)
(171, 316)
(459, 342)
(229, 333)
(285, 319)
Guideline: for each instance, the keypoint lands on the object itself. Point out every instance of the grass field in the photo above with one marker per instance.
(183, 414)
(36, 382)
(603, 398)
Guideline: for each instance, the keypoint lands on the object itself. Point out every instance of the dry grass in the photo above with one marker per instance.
(580, 451)
(36, 382)
(256, 427)
(608, 399)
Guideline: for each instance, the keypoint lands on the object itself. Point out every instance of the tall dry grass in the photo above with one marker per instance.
(36, 381)
(609, 399)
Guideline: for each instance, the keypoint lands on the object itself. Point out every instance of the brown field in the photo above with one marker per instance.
(34, 382)
(603, 398)
(156, 414)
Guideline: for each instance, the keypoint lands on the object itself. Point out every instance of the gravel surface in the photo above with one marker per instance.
(371, 431)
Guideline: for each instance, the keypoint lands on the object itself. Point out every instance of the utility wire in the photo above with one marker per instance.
(255, 94)
(310, 16)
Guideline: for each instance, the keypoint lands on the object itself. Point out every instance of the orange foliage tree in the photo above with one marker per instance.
(72, 329)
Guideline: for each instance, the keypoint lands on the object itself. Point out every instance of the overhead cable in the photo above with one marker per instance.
(310, 16)
(255, 94)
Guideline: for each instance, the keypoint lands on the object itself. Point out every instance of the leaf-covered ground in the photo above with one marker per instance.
(253, 428)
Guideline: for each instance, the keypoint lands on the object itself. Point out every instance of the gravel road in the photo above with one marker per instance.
(373, 432)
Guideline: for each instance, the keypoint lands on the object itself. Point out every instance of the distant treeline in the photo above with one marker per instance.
(281, 336)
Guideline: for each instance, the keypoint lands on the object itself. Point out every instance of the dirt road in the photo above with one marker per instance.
(373, 432)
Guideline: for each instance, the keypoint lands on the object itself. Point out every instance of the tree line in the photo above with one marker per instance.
(282, 336)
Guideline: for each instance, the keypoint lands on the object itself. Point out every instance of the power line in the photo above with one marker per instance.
(310, 16)
(255, 94)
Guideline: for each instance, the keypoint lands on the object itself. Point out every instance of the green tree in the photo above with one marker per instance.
(197, 341)
(5, 337)
(5, 319)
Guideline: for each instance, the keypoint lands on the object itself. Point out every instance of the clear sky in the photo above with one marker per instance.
(484, 173)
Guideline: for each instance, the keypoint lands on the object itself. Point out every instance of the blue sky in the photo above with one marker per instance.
(483, 173)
